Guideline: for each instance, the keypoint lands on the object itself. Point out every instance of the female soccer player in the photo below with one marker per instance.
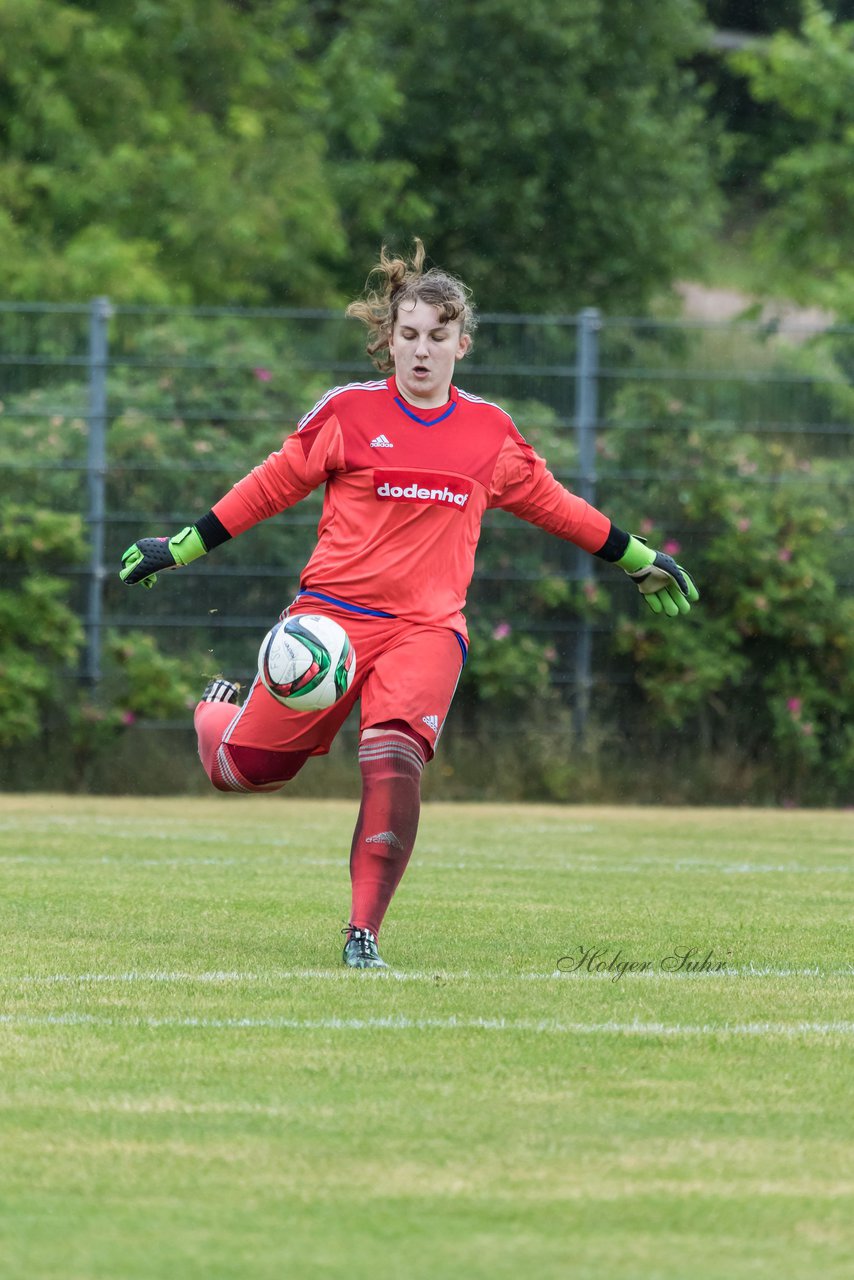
(409, 464)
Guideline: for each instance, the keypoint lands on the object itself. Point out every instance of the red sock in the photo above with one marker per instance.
(386, 827)
(211, 720)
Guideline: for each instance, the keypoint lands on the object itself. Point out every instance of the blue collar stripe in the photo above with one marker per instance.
(425, 422)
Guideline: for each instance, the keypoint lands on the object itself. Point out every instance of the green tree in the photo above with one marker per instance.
(162, 152)
(807, 233)
(559, 152)
(205, 151)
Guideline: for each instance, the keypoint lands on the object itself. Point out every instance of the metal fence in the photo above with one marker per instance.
(78, 380)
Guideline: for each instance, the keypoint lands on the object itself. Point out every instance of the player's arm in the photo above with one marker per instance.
(524, 485)
(306, 460)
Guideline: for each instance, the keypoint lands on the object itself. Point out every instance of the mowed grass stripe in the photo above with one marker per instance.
(399, 1022)
(274, 976)
(521, 866)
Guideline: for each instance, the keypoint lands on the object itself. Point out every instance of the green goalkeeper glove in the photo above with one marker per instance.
(664, 584)
(144, 559)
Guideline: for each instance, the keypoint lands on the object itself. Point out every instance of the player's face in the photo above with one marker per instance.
(425, 351)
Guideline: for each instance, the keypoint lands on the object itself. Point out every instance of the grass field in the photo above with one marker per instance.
(192, 1086)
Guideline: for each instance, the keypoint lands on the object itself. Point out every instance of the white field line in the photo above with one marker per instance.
(271, 836)
(398, 1022)
(225, 977)
(582, 865)
(162, 1106)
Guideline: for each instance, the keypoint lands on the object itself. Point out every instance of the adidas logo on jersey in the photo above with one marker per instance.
(381, 442)
(432, 722)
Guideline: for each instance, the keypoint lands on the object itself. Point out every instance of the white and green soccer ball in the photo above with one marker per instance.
(307, 662)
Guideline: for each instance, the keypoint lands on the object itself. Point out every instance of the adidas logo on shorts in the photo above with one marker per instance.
(432, 722)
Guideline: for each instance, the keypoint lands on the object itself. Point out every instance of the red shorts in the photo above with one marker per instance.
(404, 671)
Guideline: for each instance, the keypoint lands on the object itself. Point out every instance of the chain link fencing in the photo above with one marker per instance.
(138, 419)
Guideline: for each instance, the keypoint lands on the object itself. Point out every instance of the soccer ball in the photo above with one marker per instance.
(307, 662)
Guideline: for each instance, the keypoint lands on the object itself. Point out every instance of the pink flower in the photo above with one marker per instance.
(646, 526)
(671, 547)
(128, 717)
(743, 524)
(502, 631)
(784, 554)
(794, 705)
(263, 375)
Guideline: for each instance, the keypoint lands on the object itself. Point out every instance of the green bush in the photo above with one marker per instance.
(40, 637)
(764, 666)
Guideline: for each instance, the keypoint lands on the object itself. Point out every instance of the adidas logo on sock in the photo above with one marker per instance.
(432, 722)
(381, 442)
(384, 837)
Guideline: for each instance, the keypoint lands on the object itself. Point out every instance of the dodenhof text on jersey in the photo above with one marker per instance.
(421, 486)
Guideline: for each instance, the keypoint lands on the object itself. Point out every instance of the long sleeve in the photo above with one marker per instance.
(305, 461)
(522, 484)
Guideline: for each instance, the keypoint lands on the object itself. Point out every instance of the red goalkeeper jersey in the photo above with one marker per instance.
(406, 490)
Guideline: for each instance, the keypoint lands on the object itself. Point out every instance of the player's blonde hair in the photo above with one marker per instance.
(407, 281)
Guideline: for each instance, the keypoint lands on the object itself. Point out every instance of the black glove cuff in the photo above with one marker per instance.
(614, 546)
(212, 531)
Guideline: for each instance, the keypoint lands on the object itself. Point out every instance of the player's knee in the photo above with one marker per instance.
(391, 757)
(243, 786)
(219, 784)
(399, 730)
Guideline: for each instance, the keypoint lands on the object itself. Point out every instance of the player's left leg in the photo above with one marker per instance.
(402, 717)
(391, 760)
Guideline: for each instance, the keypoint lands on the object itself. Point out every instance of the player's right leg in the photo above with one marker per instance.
(261, 745)
(237, 768)
(214, 714)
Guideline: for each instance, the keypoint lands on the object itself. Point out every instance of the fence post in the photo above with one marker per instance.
(586, 408)
(96, 475)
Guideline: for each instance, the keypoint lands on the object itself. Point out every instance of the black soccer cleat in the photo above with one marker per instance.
(360, 949)
(220, 691)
